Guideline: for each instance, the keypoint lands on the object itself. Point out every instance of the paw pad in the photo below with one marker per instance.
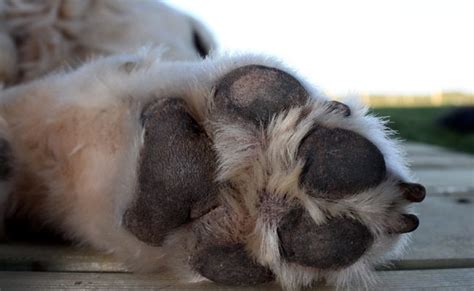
(176, 172)
(337, 243)
(255, 93)
(339, 163)
(231, 265)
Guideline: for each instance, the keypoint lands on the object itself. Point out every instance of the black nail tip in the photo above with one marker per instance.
(408, 223)
(412, 222)
(413, 192)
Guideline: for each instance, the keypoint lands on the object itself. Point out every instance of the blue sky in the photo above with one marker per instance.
(353, 47)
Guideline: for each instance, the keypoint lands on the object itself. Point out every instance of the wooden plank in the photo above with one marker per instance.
(446, 181)
(442, 161)
(444, 239)
(447, 279)
(452, 279)
(441, 171)
(40, 257)
(446, 233)
(417, 149)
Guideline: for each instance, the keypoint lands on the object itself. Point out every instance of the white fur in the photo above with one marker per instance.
(62, 33)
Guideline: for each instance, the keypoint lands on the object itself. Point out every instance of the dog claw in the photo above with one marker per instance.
(339, 107)
(408, 223)
(413, 192)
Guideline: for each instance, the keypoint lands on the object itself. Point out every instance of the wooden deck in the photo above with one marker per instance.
(441, 256)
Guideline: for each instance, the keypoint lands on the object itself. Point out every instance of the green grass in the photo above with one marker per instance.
(419, 124)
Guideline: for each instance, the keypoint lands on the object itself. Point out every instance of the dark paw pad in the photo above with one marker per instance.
(176, 172)
(230, 265)
(255, 93)
(339, 163)
(335, 244)
(6, 167)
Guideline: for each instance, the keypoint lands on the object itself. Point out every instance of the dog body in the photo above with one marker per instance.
(230, 168)
(38, 37)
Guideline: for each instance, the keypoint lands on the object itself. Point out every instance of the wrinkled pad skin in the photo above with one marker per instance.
(230, 265)
(335, 244)
(255, 93)
(339, 163)
(176, 172)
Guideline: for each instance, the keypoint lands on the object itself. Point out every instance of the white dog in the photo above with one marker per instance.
(230, 168)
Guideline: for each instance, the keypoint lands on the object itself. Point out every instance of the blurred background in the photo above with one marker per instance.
(410, 60)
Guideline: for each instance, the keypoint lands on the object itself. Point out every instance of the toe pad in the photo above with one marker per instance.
(339, 163)
(335, 244)
(255, 93)
(230, 265)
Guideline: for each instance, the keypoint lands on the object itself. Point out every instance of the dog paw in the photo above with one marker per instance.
(299, 194)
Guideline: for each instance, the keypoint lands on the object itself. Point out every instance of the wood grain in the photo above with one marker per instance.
(444, 239)
(452, 279)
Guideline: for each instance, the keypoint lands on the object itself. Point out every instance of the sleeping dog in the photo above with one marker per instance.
(123, 128)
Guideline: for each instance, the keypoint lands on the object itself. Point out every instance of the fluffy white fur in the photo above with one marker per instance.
(76, 138)
(63, 33)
